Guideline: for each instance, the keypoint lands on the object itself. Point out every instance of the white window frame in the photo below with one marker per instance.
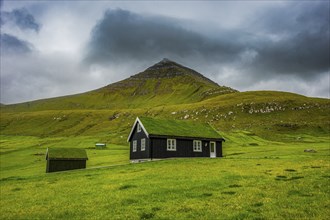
(171, 144)
(134, 146)
(138, 127)
(143, 144)
(197, 146)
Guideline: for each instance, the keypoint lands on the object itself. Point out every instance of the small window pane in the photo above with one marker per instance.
(134, 146)
(143, 144)
(197, 146)
(171, 144)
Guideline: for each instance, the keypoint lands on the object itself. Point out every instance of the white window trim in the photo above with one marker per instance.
(134, 146)
(172, 145)
(138, 127)
(143, 144)
(197, 146)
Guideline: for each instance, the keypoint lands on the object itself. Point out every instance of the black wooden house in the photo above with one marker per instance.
(152, 138)
(60, 159)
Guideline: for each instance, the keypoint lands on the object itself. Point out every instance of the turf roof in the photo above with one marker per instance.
(66, 153)
(178, 128)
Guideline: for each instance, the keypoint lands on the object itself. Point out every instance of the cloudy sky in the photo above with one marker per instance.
(54, 48)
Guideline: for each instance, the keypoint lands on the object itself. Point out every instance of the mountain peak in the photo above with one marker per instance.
(164, 64)
(167, 68)
(164, 60)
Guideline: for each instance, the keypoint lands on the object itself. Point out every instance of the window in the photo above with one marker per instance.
(134, 146)
(171, 144)
(138, 127)
(143, 144)
(197, 146)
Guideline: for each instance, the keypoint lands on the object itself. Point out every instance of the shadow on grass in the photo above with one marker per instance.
(258, 204)
(290, 170)
(13, 178)
(124, 187)
(298, 193)
(285, 178)
(233, 154)
(234, 186)
(16, 189)
(206, 194)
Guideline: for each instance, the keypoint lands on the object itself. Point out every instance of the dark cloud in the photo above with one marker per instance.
(13, 45)
(296, 40)
(22, 18)
(122, 35)
(290, 40)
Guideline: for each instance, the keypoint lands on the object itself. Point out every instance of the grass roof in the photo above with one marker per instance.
(66, 153)
(179, 128)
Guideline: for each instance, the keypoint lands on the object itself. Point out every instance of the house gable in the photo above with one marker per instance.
(137, 121)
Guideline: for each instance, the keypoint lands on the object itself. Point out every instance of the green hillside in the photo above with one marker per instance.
(272, 115)
(161, 84)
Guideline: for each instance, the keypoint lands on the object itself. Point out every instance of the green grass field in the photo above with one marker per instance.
(257, 179)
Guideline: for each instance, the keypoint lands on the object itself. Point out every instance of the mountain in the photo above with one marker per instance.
(164, 83)
(170, 90)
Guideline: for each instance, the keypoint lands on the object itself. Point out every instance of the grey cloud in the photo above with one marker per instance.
(122, 35)
(13, 45)
(22, 18)
(288, 40)
(298, 40)
(35, 76)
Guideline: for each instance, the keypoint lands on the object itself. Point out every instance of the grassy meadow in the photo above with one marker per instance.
(257, 179)
(264, 174)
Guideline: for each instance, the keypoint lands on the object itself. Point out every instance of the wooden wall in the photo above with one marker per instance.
(61, 165)
(184, 148)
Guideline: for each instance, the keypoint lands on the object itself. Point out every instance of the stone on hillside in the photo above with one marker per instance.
(186, 117)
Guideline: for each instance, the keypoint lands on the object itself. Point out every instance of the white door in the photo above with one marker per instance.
(212, 149)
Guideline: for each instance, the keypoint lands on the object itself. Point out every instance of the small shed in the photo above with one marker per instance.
(60, 159)
(100, 145)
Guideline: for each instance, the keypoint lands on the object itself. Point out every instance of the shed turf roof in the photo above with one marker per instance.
(178, 128)
(66, 154)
